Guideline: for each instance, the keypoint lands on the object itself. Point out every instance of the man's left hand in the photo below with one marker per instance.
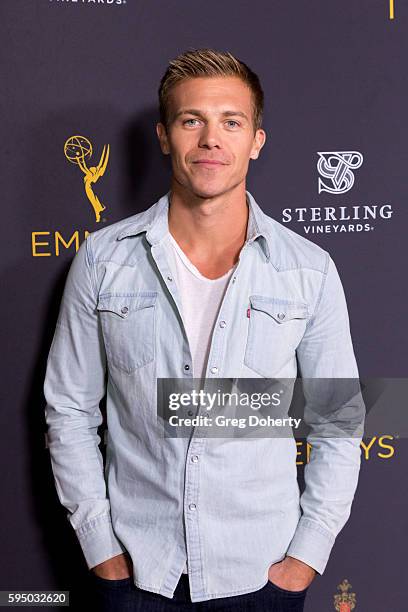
(291, 574)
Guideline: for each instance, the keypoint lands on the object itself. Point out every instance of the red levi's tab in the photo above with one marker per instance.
(248, 312)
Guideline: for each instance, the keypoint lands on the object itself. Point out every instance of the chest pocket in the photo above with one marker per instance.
(128, 322)
(276, 327)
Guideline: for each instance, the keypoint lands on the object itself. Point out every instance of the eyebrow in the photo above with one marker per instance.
(195, 111)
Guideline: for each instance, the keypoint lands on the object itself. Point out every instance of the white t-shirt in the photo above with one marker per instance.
(201, 299)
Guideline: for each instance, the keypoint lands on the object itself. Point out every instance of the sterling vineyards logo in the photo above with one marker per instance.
(336, 176)
(91, 2)
(338, 166)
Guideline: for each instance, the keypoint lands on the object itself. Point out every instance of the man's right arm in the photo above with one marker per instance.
(73, 387)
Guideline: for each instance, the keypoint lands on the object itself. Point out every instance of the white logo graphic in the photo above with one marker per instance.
(91, 2)
(338, 166)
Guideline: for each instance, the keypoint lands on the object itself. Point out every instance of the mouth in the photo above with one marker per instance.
(210, 163)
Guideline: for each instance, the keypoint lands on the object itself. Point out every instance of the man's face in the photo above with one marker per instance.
(210, 135)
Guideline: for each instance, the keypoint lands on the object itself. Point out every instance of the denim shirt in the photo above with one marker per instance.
(232, 508)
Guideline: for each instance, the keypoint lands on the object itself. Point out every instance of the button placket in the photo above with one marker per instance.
(194, 559)
(161, 261)
(217, 340)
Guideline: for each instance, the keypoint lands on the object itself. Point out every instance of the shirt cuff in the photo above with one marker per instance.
(98, 541)
(311, 544)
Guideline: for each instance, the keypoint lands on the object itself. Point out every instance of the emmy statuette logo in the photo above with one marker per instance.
(77, 149)
(392, 15)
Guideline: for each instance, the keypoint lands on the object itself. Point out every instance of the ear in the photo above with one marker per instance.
(162, 136)
(259, 141)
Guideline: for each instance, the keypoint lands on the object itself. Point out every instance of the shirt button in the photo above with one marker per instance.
(214, 370)
(194, 458)
(124, 309)
(222, 323)
(281, 315)
(192, 506)
(186, 367)
(170, 278)
(190, 413)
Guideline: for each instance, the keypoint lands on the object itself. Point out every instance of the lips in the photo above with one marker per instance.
(209, 162)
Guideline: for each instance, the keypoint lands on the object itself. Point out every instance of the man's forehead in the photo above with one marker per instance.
(202, 85)
(203, 97)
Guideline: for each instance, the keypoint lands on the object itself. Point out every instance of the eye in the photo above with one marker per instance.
(232, 121)
(187, 120)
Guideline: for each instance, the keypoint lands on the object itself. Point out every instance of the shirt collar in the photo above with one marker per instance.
(155, 223)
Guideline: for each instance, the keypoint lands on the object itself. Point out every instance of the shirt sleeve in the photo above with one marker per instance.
(331, 475)
(73, 387)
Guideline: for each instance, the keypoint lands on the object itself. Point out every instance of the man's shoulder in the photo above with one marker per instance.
(291, 250)
(106, 240)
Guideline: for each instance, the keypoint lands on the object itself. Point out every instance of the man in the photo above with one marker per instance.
(202, 284)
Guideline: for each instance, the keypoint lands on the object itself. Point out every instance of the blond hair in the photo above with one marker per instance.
(208, 63)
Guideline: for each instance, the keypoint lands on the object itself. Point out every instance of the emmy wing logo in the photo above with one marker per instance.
(77, 149)
(344, 601)
(338, 166)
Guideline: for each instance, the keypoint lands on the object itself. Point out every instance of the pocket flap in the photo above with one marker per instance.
(279, 308)
(125, 303)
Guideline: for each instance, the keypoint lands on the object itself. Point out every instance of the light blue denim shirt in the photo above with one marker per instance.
(233, 508)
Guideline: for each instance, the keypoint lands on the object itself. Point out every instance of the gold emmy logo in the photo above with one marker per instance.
(76, 149)
(391, 9)
(344, 601)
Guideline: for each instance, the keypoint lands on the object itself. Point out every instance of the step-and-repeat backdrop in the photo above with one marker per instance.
(334, 169)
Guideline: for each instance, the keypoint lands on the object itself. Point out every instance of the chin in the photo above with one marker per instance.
(209, 191)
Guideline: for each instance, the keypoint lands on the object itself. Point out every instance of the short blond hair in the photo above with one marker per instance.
(205, 62)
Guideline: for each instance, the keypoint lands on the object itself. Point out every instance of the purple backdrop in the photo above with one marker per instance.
(334, 80)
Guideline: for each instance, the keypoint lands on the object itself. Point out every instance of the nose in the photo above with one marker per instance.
(209, 137)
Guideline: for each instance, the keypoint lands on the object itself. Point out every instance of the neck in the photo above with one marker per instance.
(206, 228)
